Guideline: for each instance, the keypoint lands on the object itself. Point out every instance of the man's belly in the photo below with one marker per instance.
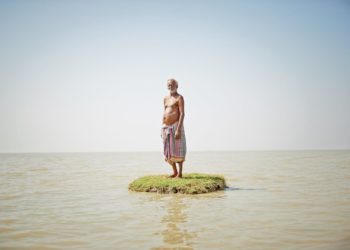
(170, 118)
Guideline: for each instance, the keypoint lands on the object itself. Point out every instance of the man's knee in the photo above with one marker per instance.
(171, 162)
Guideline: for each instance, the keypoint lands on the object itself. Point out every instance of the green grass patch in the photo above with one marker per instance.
(192, 183)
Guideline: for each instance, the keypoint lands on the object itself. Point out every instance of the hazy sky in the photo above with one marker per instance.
(255, 75)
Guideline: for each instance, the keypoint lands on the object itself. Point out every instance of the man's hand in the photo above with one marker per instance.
(177, 134)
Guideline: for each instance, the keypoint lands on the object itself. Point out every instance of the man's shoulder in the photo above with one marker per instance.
(178, 97)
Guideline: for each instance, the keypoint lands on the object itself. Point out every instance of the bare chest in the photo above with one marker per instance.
(171, 103)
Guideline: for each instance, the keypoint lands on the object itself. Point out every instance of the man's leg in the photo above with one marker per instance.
(174, 169)
(179, 175)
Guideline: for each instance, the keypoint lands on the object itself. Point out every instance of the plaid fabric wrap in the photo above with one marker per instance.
(174, 149)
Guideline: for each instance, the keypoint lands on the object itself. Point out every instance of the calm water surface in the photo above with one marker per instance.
(275, 200)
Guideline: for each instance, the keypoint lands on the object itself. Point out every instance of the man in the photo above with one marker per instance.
(173, 133)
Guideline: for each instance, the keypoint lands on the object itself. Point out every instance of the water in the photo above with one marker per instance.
(275, 200)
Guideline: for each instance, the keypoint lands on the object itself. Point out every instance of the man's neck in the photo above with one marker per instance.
(174, 94)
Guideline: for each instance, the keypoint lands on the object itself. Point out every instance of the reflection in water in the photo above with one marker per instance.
(176, 221)
(175, 236)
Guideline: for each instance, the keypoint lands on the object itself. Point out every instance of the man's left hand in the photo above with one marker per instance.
(177, 134)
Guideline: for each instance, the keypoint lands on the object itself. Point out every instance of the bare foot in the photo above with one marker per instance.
(172, 176)
(179, 176)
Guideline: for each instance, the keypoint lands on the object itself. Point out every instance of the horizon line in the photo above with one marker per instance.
(156, 151)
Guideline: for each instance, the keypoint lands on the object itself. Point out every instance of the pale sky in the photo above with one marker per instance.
(82, 76)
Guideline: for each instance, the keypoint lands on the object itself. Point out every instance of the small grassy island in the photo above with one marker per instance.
(192, 183)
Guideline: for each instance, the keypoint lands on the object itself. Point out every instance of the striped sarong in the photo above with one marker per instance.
(174, 149)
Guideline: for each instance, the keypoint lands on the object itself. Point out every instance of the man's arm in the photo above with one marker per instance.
(182, 116)
(164, 101)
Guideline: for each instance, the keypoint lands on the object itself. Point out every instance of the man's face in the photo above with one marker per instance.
(171, 85)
